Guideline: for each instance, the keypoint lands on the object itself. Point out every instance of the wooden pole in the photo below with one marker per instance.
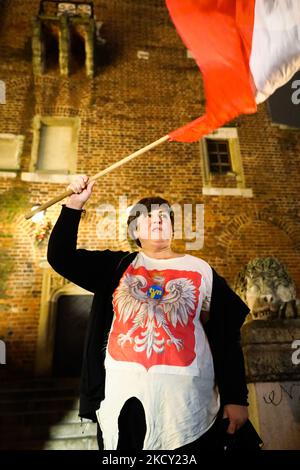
(110, 168)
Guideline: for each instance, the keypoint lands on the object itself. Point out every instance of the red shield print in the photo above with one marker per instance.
(150, 330)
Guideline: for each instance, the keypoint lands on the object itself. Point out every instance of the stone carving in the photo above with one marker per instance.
(268, 290)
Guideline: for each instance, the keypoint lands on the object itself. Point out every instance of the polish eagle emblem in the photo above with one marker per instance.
(151, 315)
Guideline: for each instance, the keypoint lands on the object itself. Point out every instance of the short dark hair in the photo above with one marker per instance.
(136, 211)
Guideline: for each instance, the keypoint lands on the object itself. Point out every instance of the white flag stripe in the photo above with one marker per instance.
(275, 53)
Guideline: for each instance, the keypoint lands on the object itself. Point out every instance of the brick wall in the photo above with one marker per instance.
(130, 103)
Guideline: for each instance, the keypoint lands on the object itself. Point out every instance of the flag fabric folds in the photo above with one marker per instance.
(245, 49)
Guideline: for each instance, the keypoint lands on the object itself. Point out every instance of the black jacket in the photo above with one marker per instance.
(100, 273)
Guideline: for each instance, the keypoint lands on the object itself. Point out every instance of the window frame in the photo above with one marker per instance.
(19, 139)
(229, 134)
(38, 122)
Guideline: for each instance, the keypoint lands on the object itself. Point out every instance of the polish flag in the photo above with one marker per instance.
(245, 49)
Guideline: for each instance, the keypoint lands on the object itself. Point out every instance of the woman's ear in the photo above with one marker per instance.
(135, 234)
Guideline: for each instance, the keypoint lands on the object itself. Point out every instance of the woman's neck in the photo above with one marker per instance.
(161, 253)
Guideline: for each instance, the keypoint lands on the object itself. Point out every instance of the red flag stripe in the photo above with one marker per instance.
(218, 33)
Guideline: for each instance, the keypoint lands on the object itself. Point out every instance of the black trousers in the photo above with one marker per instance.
(132, 431)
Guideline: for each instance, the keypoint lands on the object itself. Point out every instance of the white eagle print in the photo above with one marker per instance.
(150, 314)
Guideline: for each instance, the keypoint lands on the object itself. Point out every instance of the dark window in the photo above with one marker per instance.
(50, 34)
(78, 55)
(284, 103)
(62, 32)
(218, 156)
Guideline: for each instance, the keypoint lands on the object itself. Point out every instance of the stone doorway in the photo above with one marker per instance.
(64, 313)
(72, 313)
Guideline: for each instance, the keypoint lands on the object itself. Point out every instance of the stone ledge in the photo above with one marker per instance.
(8, 174)
(267, 347)
(271, 331)
(46, 178)
(244, 192)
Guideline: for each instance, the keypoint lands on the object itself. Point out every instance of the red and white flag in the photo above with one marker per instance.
(245, 49)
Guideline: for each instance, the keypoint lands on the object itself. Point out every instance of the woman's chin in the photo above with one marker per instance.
(156, 243)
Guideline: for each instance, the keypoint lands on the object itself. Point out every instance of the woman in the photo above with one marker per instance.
(168, 379)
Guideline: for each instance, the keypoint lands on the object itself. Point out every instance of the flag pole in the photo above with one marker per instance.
(110, 168)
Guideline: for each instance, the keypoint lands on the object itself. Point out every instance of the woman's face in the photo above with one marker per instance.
(154, 228)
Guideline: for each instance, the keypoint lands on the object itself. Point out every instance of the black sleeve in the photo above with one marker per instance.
(86, 268)
(227, 315)
(234, 378)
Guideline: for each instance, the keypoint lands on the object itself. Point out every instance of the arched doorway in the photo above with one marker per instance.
(72, 313)
(64, 314)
